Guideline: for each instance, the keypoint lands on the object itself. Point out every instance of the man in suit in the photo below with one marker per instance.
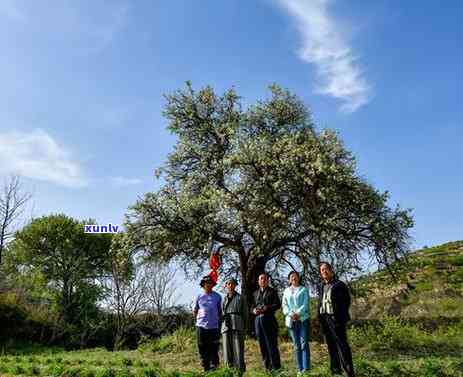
(333, 310)
(266, 303)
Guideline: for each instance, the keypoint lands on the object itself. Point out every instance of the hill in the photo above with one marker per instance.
(429, 286)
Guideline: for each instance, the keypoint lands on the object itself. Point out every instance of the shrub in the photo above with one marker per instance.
(17, 369)
(456, 260)
(366, 369)
(55, 370)
(179, 341)
(432, 368)
(395, 369)
(393, 334)
(4, 368)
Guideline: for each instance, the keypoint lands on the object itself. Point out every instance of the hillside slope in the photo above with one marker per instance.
(430, 286)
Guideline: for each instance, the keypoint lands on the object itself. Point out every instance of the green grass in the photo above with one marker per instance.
(392, 348)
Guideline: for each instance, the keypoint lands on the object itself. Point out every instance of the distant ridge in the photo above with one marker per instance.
(430, 286)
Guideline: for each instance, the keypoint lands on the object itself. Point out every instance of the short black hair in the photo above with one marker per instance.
(327, 264)
(206, 279)
(294, 272)
(298, 275)
(264, 273)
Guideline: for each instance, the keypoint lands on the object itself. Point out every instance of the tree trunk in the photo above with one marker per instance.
(250, 273)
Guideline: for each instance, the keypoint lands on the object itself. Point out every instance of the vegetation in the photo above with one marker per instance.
(270, 191)
(67, 260)
(12, 204)
(429, 287)
(394, 351)
(390, 346)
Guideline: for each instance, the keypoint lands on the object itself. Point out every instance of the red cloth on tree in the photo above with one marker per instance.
(214, 276)
(214, 261)
(214, 264)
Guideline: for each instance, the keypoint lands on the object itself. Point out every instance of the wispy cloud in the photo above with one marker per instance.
(37, 155)
(324, 45)
(124, 181)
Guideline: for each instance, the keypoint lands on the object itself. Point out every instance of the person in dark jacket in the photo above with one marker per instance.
(235, 315)
(266, 303)
(333, 309)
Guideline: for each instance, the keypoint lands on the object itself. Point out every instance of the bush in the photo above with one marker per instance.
(17, 369)
(433, 368)
(20, 323)
(395, 369)
(366, 369)
(179, 341)
(394, 335)
(55, 370)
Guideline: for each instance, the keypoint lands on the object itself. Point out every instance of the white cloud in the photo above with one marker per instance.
(124, 181)
(37, 155)
(324, 45)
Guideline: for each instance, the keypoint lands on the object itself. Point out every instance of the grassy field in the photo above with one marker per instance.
(412, 328)
(393, 350)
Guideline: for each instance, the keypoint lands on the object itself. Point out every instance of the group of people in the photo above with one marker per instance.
(228, 319)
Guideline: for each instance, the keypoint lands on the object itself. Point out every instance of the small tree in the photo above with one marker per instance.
(137, 286)
(12, 203)
(127, 287)
(161, 288)
(68, 259)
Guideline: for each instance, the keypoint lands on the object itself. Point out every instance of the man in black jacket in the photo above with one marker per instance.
(266, 303)
(333, 310)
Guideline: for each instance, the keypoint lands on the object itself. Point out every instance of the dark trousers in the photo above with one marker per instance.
(338, 347)
(267, 334)
(208, 346)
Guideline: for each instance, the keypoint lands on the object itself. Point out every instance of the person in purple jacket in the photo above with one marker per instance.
(208, 314)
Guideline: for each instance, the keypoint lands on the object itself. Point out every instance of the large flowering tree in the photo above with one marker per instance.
(267, 187)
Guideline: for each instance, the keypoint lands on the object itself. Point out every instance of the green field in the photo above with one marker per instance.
(424, 338)
(395, 349)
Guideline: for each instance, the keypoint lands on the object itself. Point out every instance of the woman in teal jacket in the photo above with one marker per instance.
(297, 318)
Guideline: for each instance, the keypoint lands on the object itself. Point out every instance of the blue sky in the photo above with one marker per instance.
(82, 86)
